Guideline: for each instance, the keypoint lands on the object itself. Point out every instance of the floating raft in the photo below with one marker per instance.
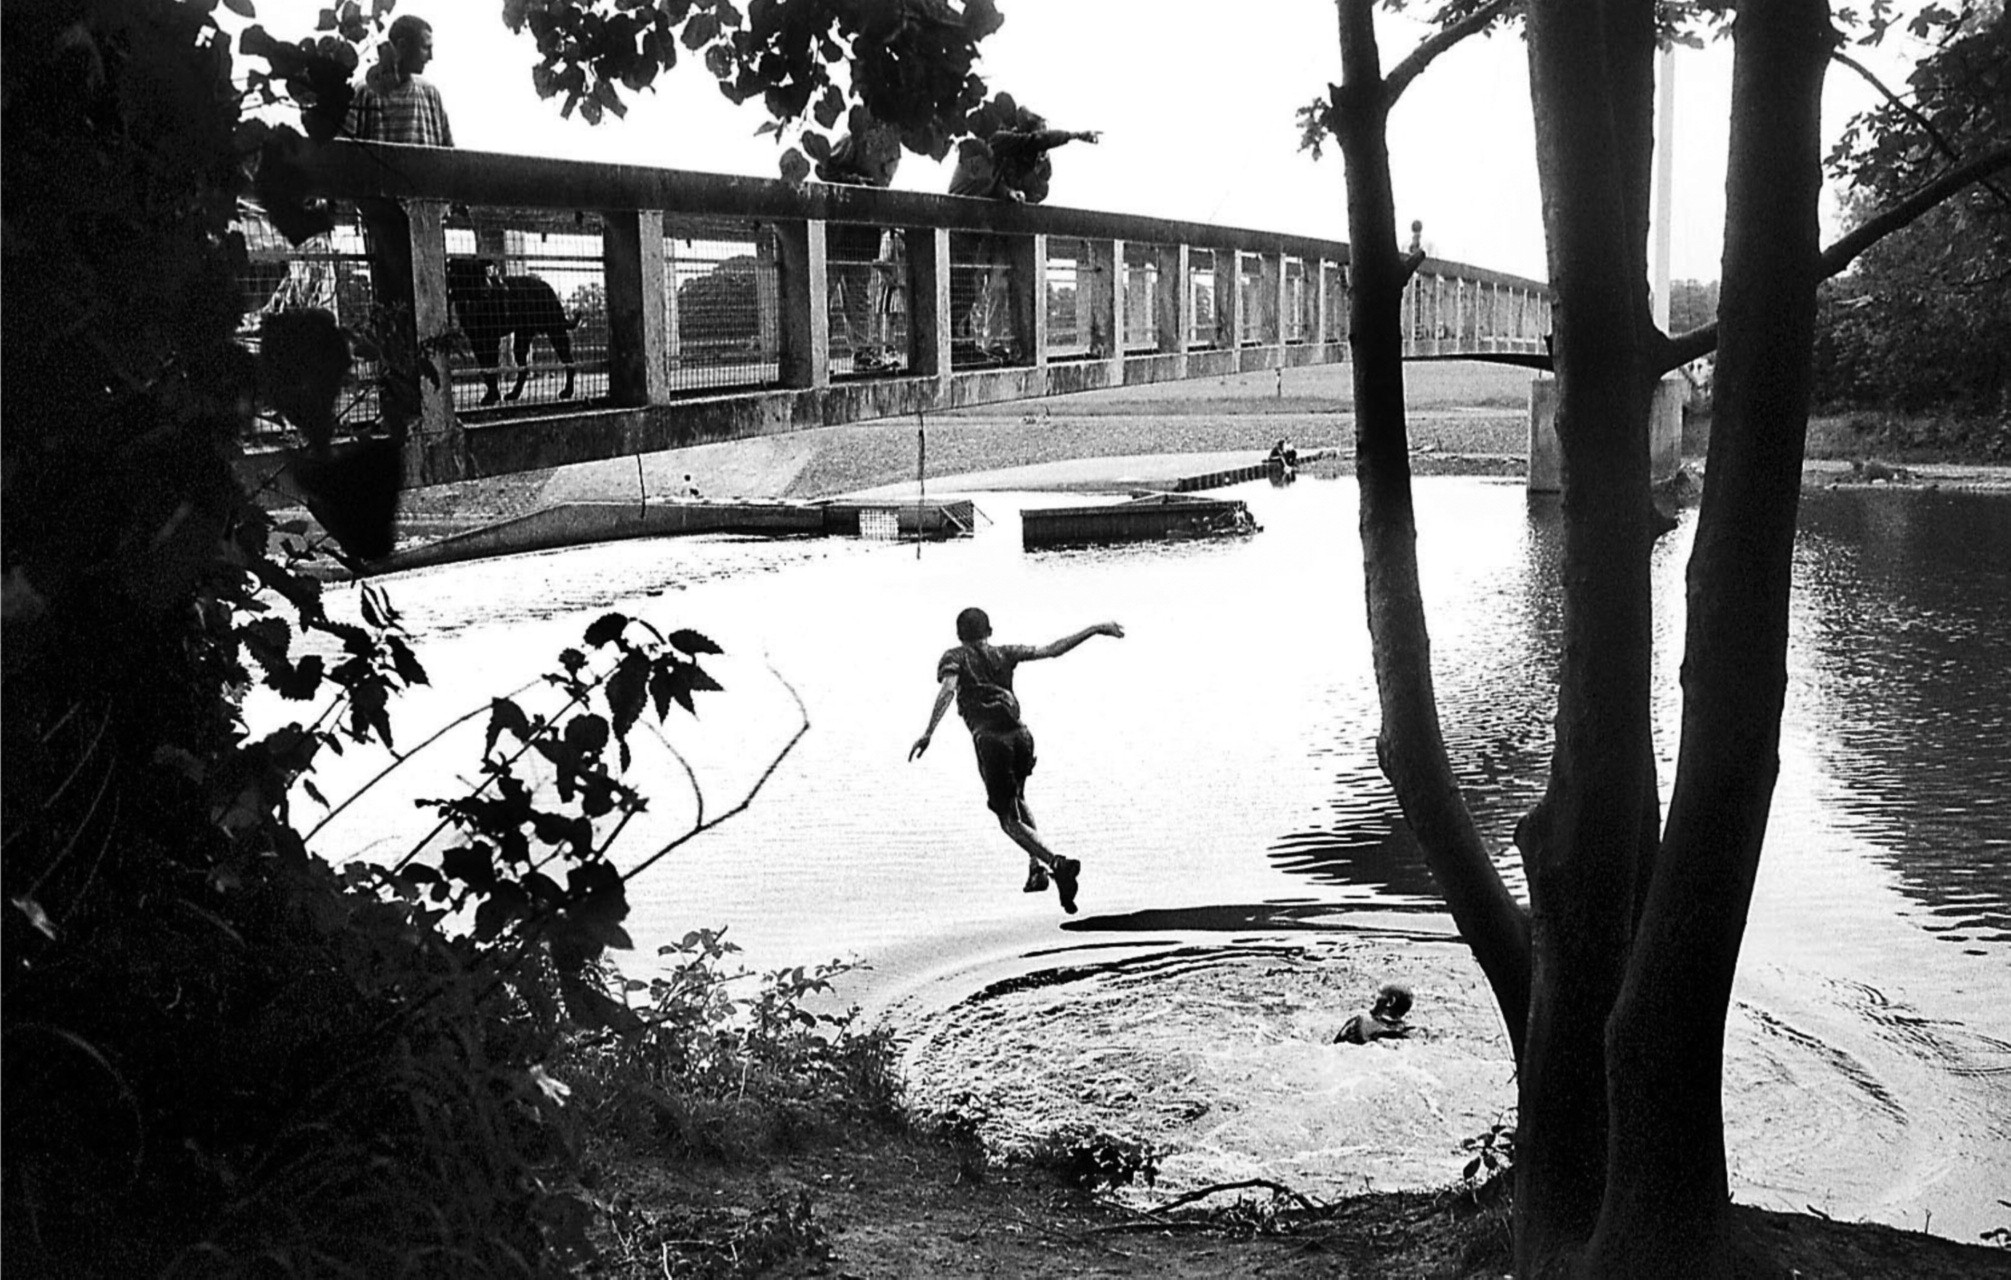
(1151, 517)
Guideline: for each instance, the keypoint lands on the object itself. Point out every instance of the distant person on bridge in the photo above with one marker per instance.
(394, 104)
(977, 676)
(867, 156)
(1012, 164)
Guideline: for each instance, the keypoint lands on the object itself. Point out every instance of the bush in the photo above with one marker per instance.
(705, 1073)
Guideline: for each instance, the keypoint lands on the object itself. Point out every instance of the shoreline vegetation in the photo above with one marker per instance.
(787, 1148)
(746, 1135)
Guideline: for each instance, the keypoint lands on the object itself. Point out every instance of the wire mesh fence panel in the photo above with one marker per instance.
(330, 272)
(723, 304)
(528, 292)
(1141, 299)
(1296, 325)
(1337, 302)
(880, 524)
(866, 273)
(1201, 281)
(1070, 276)
(1250, 279)
(983, 328)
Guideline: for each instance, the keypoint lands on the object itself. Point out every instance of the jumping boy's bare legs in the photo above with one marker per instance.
(1042, 861)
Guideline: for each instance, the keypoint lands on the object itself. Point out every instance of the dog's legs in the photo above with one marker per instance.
(562, 342)
(523, 353)
(488, 354)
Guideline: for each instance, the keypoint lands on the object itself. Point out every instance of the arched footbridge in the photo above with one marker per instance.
(681, 308)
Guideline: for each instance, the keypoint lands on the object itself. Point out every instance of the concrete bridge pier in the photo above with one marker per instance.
(1665, 433)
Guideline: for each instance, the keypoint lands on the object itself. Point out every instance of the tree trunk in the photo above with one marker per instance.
(1411, 746)
(1666, 1193)
(1590, 839)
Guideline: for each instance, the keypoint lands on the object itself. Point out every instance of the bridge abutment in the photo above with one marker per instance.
(1665, 433)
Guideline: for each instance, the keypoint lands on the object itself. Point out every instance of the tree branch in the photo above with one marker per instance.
(1917, 116)
(1700, 342)
(1421, 57)
(1840, 255)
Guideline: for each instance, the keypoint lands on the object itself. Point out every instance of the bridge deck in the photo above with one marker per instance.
(696, 308)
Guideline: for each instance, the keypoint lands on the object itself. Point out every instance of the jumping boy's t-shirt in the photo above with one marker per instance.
(984, 683)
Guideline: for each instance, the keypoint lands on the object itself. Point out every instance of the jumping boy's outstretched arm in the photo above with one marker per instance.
(945, 695)
(1063, 645)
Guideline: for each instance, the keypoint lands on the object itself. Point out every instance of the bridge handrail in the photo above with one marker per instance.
(351, 170)
(857, 303)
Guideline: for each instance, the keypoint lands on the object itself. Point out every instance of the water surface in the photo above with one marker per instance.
(1248, 876)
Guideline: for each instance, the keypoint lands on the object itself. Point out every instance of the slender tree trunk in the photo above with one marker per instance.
(1411, 746)
(1591, 838)
(1666, 1194)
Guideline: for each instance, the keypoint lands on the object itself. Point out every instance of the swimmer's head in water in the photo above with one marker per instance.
(1392, 1001)
(973, 625)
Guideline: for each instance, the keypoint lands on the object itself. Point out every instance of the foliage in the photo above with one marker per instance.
(1493, 1156)
(1692, 304)
(1087, 1157)
(222, 1054)
(701, 1071)
(1923, 322)
(909, 63)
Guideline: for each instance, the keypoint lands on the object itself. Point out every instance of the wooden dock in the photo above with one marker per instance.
(1270, 466)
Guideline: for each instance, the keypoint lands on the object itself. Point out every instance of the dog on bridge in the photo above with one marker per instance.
(491, 306)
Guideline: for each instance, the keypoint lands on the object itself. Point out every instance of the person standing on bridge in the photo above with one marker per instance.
(867, 156)
(394, 104)
(977, 676)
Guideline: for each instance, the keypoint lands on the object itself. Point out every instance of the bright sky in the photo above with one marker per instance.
(1196, 110)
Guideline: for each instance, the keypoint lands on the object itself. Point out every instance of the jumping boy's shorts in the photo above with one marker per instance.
(1004, 761)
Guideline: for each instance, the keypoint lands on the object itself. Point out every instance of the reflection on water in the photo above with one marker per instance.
(1216, 772)
(1905, 624)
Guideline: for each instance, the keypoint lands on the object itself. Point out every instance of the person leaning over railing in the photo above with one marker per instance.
(1012, 164)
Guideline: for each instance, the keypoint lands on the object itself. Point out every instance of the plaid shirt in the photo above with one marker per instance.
(410, 112)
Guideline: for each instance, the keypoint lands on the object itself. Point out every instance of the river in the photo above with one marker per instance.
(1247, 878)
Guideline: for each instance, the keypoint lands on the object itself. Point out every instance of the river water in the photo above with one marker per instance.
(1247, 878)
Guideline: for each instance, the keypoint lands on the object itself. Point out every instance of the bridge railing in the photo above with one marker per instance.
(699, 307)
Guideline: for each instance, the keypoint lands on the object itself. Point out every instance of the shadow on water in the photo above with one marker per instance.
(1496, 684)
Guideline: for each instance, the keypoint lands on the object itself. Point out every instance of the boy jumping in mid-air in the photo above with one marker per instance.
(978, 676)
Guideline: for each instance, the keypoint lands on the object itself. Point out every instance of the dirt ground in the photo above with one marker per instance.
(896, 1207)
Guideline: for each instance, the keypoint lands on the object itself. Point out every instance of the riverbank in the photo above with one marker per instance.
(1465, 419)
(896, 1205)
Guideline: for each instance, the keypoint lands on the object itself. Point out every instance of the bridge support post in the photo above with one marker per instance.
(1318, 268)
(929, 323)
(435, 452)
(1271, 299)
(1173, 309)
(804, 291)
(1027, 284)
(1546, 461)
(1228, 299)
(1099, 291)
(638, 329)
(1665, 433)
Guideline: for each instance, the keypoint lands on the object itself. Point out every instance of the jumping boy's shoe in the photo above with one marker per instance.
(1036, 878)
(1065, 872)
